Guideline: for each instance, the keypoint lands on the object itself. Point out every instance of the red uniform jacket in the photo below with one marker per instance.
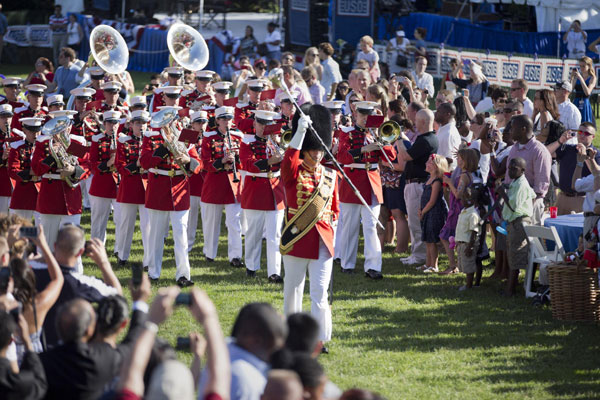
(188, 97)
(55, 195)
(26, 112)
(104, 181)
(260, 193)
(164, 192)
(5, 183)
(24, 196)
(299, 182)
(242, 111)
(99, 95)
(219, 187)
(14, 104)
(157, 101)
(131, 188)
(100, 106)
(197, 180)
(367, 182)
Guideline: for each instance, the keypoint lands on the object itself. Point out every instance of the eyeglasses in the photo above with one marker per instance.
(343, 87)
(512, 89)
(507, 110)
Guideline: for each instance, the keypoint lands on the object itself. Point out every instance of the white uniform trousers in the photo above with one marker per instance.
(85, 187)
(4, 203)
(52, 224)
(319, 272)
(211, 228)
(353, 216)
(100, 212)
(27, 215)
(158, 222)
(125, 227)
(259, 222)
(195, 205)
(412, 197)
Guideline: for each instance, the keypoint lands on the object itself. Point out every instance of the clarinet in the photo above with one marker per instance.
(235, 174)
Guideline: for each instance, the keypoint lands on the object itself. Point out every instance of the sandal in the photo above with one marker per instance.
(431, 270)
(422, 268)
(449, 271)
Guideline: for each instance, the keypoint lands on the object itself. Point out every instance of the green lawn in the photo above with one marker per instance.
(410, 336)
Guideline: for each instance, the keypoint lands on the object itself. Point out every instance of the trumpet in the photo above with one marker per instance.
(233, 150)
(165, 119)
(58, 130)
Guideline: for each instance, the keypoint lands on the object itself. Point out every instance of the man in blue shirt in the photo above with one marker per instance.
(64, 77)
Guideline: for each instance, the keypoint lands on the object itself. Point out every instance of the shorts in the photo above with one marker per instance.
(466, 264)
(517, 245)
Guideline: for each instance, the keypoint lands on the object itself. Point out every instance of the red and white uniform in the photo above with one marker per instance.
(24, 196)
(5, 183)
(57, 202)
(26, 112)
(363, 171)
(100, 106)
(131, 196)
(242, 111)
(167, 199)
(103, 189)
(14, 104)
(314, 251)
(220, 192)
(263, 200)
(196, 184)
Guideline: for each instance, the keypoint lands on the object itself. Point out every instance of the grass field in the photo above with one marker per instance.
(409, 336)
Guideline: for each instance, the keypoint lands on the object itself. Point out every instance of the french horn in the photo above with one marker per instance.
(165, 120)
(58, 130)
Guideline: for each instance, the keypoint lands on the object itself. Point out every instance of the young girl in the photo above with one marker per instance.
(434, 210)
(468, 229)
(367, 53)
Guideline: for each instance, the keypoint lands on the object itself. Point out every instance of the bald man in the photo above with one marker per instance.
(415, 157)
(283, 385)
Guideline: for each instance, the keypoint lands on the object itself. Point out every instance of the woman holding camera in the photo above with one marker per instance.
(35, 305)
(583, 80)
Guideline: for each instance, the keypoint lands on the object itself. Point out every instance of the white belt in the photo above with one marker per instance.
(170, 172)
(368, 166)
(52, 176)
(264, 174)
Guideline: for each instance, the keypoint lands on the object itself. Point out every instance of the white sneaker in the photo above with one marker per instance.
(405, 260)
(431, 270)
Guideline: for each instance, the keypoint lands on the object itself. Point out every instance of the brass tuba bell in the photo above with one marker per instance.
(187, 47)
(109, 49)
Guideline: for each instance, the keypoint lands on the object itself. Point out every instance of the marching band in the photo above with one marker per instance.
(190, 154)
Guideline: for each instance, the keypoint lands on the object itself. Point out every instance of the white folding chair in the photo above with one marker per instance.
(538, 253)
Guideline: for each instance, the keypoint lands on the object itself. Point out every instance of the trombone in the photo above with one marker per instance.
(387, 134)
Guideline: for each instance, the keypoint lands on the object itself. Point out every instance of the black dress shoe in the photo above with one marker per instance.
(347, 271)
(153, 280)
(337, 260)
(324, 350)
(184, 282)
(275, 279)
(208, 259)
(375, 275)
(237, 263)
(146, 268)
(121, 263)
(250, 273)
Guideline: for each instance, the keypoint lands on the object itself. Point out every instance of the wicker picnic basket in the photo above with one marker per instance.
(574, 293)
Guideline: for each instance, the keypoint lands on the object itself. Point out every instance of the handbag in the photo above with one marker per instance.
(401, 60)
(262, 49)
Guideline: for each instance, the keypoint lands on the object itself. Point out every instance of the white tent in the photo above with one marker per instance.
(557, 15)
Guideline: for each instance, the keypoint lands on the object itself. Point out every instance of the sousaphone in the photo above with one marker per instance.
(187, 47)
(109, 49)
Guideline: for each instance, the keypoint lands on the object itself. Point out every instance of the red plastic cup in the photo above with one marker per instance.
(553, 212)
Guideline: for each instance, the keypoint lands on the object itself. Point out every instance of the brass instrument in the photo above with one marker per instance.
(187, 47)
(165, 119)
(109, 50)
(232, 149)
(387, 133)
(58, 130)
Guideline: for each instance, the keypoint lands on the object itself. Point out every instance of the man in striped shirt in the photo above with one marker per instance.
(58, 25)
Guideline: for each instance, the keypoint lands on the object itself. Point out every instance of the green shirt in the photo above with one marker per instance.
(520, 196)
